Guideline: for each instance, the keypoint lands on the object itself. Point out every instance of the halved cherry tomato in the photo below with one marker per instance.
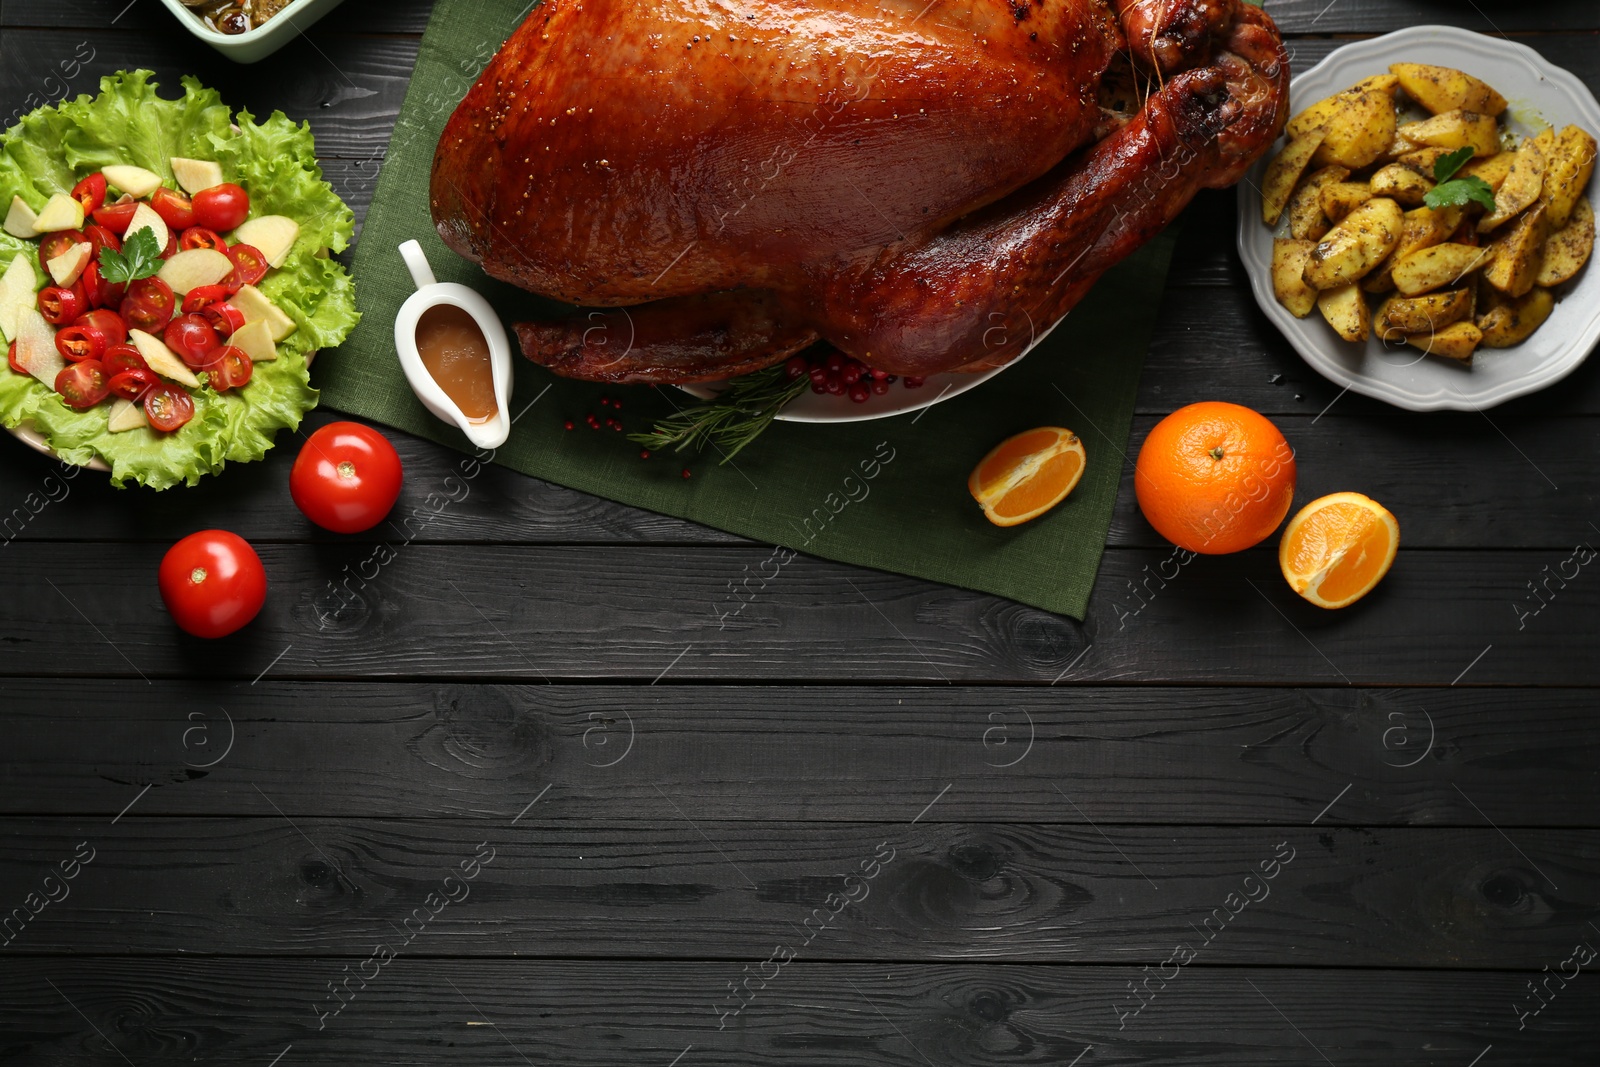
(346, 477)
(249, 266)
(107, 322)
(60, 306)
(212, 583)
(148, 305)
(119, 358)
(77, 342)
(193, 339)
(100, 237)
(83, 385)
(91, 192)
(223, 317)
(172, 246)
(11, 358)
(222, 207)
(116, 215)
(230, 369)
(203, 295)
(167, 407)
(175, 209)
(131, 384)
(200, 237)
(52, 245)
(101, 293)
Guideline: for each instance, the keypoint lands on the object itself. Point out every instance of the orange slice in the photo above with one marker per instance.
(1027, 475)
(1337, 548)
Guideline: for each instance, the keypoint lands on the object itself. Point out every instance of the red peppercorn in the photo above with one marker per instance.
(569, 424)
(644, 453)
(686, 472)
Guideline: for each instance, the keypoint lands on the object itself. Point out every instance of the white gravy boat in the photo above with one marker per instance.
(485, 433)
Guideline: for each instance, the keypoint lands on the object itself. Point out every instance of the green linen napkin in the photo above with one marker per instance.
(890, 493)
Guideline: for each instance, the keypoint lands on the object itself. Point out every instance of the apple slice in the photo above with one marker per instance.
(66, 267)
(271, 235)
(60, 212)
(135, 181)
(126, 415)
(196, 174)
(145, 218)
(36, 348)
(162, 360)
(193, 268)
(21, 219)
(255, 307)
(16, 293)
(254, 339)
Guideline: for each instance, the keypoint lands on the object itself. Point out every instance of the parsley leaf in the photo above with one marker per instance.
(139, 258)
(1460, 192)
(1445, 167)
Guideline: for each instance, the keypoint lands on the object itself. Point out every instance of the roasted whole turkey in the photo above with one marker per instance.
(924, 184)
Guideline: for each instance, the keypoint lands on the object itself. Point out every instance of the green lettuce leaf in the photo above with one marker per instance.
(275, 161)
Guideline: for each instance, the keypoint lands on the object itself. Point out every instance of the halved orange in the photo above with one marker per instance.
(1337, 548)
(1025, 476)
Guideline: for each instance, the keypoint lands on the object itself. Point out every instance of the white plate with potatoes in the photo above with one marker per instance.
(1385, 267)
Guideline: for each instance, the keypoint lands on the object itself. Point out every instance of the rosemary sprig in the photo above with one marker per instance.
(733, 419)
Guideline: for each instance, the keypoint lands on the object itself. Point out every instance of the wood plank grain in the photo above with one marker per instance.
(1165, 755)
(1453, 480)
(349, 87)
(507, 613)
(669, 884)
(506, 1011)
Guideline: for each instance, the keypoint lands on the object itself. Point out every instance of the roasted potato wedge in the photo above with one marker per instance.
(1423, 228)
(1569, 248)
(1524, 181)
(1422, 160)
(1347, 312)
(1289, 258)
(1512, 323)
(1404, 315)
(1319, 113)
(1355, 246)
(1359, 132)
(1340, 198)
(1456, 129)
(1284, 173)
(1492, 170)
(1306, 220)
(1518, 254)
(1567, 174)
(1441, 89)
(1399, 183)
(1457, 341)
(1437, 267)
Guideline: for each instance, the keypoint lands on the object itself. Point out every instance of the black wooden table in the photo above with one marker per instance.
(537, 798)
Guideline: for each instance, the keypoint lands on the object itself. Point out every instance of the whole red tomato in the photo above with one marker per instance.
(212, 583)
(346, 477)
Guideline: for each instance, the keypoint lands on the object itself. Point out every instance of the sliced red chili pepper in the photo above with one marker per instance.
(60, 306)
(203, 295)
(200, 237)
(91, 192)
(131, 384)
(223, 317)
(77, 343)
(11, 358)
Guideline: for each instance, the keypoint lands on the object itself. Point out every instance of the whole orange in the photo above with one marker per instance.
(1215, 477)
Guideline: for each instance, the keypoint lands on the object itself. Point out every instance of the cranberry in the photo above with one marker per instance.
(686, 472)
(644, 453)
(880, 388)
(879, 375)
(835, 386)
(569, 424)
(851, 375)
(859, 392)
(834, 362)
(818, 374)
(914, 383)
(796, 366)
(818, 387)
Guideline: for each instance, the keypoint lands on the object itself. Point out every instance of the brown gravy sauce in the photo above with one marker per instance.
(456, 353)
